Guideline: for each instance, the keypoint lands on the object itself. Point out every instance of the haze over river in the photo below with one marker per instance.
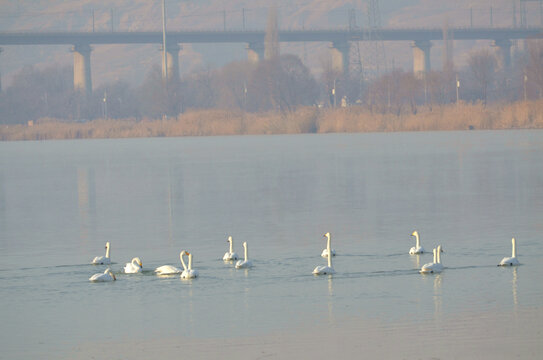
(471, 192)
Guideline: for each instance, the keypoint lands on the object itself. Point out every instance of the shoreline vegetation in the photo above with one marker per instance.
(353, 119)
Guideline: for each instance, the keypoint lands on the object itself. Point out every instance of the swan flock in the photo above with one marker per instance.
(187, 272)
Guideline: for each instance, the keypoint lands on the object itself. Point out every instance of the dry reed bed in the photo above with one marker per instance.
(520, 115)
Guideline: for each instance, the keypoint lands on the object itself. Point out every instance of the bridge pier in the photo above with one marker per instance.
(421, 57)
(82, 68)
(340, 56)
(255, 51)
(172, 57)
(504, 52)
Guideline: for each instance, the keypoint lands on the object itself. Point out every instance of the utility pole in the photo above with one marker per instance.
(92, 20)
(243, 17)
(457, 89)
(164, 55)
(111, 15)
(514, 14)
(491, 19)
(525, 81)
(334, 93)
(105, 104)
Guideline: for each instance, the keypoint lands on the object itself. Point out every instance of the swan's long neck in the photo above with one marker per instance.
(438, 254)
(111, 274)
(329, 248)
(246, 251)
(514, 244)
(418, 240)
(107, 250)
(190, 261)
(182, 262)
(434, 255)
(231, 241)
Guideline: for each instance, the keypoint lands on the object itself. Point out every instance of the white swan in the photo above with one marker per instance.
(325, 252)
(417, 249)
(511, 261)
(133, 267)
(188, 273)
(322, 269)
(230, 255)
(246, 263)
(433, 267)
(439, 265)
(169, 269)
(103, 260)
(103, 277)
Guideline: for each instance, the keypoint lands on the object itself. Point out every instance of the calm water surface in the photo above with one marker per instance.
(60, 201)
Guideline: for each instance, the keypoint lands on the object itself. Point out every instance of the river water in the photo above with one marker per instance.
(470, 192)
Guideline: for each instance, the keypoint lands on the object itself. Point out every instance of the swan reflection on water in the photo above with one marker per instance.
(438, 298)
(415, 259)
(514, 284)
(331, 318)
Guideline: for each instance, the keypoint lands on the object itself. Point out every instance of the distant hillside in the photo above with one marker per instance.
(132, 62)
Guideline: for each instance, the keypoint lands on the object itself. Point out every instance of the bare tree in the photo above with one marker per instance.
(281, 84)
(39, 93)
(395, 90)
(482, 64)
(232, 84)
(122, 101)
(440, 86)
(199, 90)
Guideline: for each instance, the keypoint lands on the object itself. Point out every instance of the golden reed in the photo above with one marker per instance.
(519, 115)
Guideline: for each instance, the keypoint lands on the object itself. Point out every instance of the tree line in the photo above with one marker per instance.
(280, 84)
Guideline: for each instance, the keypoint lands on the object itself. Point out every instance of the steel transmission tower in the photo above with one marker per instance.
(523, 18)
(368, 55)
(355, 58)
(374, 46)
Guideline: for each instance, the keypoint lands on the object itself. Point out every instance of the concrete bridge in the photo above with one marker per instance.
(339, 40)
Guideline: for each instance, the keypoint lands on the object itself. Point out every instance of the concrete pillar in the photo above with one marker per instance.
(504, 52)
(172, 57)
(82, 68)
(340, 56)
(255, 51)
(421, 57)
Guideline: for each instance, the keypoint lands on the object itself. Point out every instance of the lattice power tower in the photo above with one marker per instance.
(367, 57)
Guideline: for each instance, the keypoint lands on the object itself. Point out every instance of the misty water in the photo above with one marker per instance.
(471, 192)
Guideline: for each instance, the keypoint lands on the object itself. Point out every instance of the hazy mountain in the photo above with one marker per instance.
(131, 62)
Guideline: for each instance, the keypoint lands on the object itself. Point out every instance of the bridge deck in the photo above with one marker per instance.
(152, 37)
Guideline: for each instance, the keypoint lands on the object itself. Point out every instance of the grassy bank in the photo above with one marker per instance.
(520, 115)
